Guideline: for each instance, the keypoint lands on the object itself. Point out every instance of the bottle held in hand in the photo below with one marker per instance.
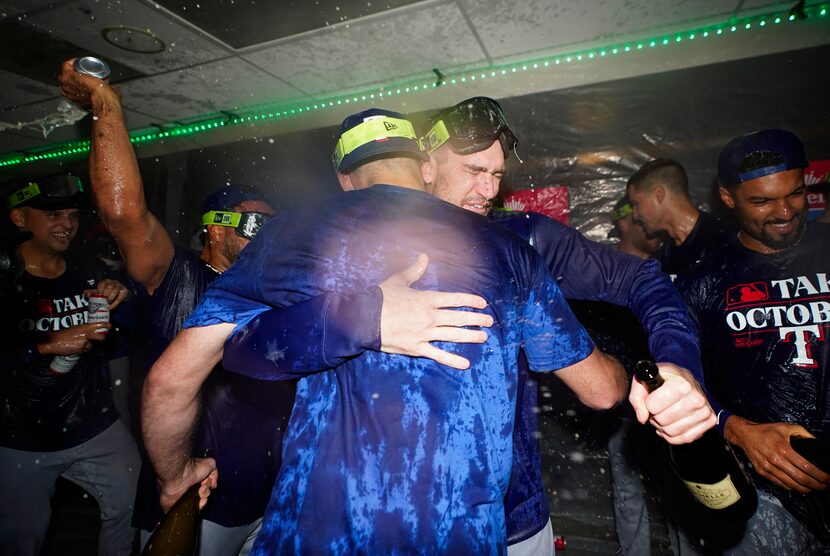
(98, 311)
(178, 532)
(707, 467)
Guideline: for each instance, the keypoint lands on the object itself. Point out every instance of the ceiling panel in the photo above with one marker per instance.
(382, 48)
(510, 28)
(10, 8)
(82, 23)
(242, 24)
(222, 85)
(16, 89)
(13, 141)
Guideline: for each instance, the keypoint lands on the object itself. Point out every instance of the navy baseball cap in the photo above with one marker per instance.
(50, 193)
(372, 134)
(228, 197)
(758, 154)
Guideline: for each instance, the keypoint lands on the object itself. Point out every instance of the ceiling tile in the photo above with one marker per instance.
(242, 24)
(10, 8)
(16, 89)
(510, 28)
(82, 23)
(384, 48)
(222, 85)
(12, 141)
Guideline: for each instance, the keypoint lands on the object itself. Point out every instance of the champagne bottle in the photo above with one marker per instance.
(707, 466)
(178, 532)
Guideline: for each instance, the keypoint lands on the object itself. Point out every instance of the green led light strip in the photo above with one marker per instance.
(264, 113)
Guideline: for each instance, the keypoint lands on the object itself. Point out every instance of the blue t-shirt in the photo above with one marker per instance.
(389, 454)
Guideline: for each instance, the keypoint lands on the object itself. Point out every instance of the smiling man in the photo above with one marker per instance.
(57, 417)
(761, 302)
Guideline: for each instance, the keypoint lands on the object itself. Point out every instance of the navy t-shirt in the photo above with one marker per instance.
(242, 419)
(708, 235)
(765, 321)
(389, 454)
(42, 410)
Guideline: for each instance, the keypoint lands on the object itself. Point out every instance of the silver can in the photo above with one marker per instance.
(93, 66)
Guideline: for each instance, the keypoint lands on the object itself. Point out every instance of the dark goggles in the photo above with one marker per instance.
(246, 224)
(55, 190)
(469, 127)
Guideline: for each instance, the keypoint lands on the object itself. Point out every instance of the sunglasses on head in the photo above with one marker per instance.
(246, 224)
(469, 127)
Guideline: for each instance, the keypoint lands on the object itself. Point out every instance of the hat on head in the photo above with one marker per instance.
(622, 208)
(225, 199)
(50, 193)
(374, 133)
(758, 154)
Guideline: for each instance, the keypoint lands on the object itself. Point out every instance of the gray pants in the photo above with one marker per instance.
(105, 466)
(216, 540)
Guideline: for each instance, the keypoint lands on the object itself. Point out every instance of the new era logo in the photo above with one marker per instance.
(389, 126)
(747, 293)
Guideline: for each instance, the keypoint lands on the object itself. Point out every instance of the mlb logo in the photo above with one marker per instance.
(743, 294)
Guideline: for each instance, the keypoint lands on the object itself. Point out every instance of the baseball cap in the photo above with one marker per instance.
(758, 154)
(469, 127)
(374, 133)
(218, 207)
(50, 193)
(622, 208)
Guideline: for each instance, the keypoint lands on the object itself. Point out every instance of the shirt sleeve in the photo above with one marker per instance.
(311, 336)
(588, 270)
(553, 337)
(691, 291)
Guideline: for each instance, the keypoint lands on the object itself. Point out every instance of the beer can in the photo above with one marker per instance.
(93, 66)
(98, 310)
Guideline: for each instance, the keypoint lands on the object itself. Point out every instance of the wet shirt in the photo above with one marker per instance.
(388, 454)
(241, 419)
(586, 270)
(708, 235)
(43, 410)
(765, 321)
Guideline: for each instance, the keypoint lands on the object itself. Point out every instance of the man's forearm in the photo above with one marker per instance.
(170, 404)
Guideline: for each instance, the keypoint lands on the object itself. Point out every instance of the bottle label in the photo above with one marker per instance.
(62, 364)
(715, 496)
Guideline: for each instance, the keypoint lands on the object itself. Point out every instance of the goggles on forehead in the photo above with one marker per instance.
(52, 190)
(376, 128)
(470, 127)
(247, 224)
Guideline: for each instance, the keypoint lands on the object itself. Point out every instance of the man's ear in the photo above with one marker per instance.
(659, 193)
(345, 182)
(18, 217)
(726, 197)
(428, 171)
(215, 234)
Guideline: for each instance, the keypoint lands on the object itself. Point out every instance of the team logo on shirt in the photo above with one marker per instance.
(795, 310)
(743, 294)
